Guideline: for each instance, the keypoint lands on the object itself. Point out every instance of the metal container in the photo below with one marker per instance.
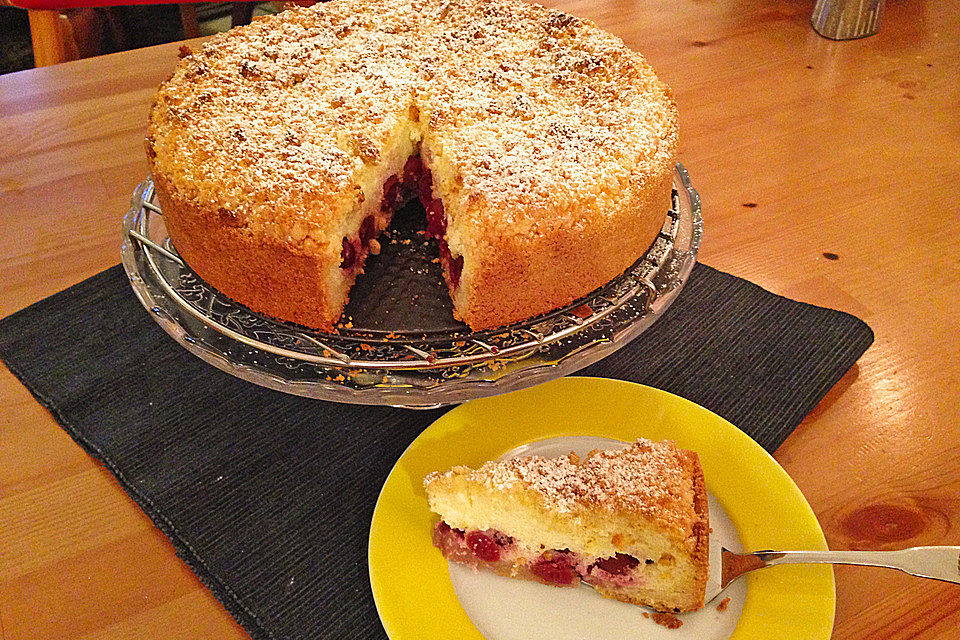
(847, 19)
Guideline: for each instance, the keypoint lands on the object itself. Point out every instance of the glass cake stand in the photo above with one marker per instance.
(398, 343)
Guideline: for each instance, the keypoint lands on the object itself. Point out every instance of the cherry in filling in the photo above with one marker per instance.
(483, 546)
(437, 228)
(618, 564)
(555, 568)
(392, 194)
(368, 229)
(348, 255)
(454, 266)
(412, 171)
(425, 185)
(436, 220)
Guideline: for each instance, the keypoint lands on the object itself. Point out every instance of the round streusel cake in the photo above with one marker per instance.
(542, 148)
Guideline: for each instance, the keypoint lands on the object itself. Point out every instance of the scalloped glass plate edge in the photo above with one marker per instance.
(418, 388)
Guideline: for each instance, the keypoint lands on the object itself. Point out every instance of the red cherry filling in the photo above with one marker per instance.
(502, 539)
(412, 171)
(555, 569)
(392, 194)
(437, 228)
(618, 564)
(436, 220)
(454, 266)
(562, 568)
(442, 531)
(368, 229)
(483, 546)
(395, 191)
(348, 255)
(398, 188)
(425, 186)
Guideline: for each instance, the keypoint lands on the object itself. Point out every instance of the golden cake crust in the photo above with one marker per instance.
(552, 147)
(267, 275)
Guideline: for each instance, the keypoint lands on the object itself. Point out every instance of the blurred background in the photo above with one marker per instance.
(99, 30)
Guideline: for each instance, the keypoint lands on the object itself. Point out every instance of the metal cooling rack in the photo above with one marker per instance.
(407, 368)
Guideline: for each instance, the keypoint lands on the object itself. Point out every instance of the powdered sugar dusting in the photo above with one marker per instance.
(647, 477)
(544, 111)
(275, 122)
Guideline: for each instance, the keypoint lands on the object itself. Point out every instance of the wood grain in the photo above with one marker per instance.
(800, 147)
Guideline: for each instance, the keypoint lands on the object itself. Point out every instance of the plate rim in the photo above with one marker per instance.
(440, 613)
(328, 372)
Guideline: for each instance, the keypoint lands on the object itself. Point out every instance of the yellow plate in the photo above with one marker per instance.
(410, 580)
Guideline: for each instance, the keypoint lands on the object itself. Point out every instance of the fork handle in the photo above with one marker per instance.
(939, 563)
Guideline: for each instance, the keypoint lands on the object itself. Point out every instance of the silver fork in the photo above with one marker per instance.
(939, 563)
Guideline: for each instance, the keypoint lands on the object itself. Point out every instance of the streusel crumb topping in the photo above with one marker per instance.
(647, 477)
(273, 124)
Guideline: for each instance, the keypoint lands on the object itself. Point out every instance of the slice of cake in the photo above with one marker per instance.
(632, 523)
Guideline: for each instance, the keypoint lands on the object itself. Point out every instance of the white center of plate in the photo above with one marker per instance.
(509, 609)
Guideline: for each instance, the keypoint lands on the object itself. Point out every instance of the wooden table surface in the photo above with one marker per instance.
(829, 172)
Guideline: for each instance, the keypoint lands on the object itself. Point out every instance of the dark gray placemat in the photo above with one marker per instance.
(268, 497)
